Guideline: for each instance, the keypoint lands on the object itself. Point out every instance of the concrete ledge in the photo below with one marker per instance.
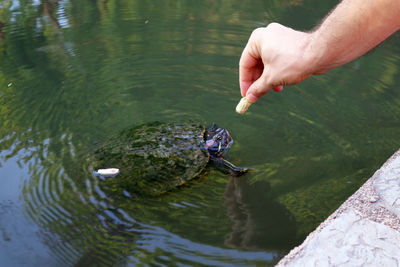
(363, 231)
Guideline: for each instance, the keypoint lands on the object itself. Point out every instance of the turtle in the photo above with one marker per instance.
(158, 157)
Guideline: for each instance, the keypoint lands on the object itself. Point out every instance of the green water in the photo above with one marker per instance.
(73, 73)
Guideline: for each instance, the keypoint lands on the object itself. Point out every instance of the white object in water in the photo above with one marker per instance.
(110, 172)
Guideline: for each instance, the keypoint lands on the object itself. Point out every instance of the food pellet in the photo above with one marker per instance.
(243, 105)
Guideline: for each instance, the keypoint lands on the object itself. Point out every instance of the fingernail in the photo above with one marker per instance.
(278, 88)
(251, 98)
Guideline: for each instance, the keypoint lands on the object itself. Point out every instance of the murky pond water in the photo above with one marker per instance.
(73, 73)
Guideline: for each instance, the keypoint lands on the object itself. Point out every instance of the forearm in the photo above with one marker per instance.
(353, 28)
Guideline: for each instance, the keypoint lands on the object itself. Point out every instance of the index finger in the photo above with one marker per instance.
(247, 70)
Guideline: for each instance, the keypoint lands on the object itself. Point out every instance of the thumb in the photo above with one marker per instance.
(257, 89)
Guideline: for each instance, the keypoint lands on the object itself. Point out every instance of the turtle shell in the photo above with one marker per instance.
(154, 158)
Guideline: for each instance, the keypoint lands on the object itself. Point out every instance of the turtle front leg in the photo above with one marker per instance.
(227, 167)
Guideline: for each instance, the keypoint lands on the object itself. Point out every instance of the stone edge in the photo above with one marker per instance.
(363, 202)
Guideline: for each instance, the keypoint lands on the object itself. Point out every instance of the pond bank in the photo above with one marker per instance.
(363, 231)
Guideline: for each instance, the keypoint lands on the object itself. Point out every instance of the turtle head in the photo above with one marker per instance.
(217, 140)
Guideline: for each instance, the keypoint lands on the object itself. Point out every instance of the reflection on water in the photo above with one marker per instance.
(250, 209)
(88, 225)
(73, 73)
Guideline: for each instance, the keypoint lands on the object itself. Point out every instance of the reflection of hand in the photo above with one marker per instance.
(274, 56)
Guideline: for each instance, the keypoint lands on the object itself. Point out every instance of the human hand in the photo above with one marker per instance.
(273, 57)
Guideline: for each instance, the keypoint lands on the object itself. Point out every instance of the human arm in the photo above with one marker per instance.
(277, 55)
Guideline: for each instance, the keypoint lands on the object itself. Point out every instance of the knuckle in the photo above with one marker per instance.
(257, 31)
(274, 26)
